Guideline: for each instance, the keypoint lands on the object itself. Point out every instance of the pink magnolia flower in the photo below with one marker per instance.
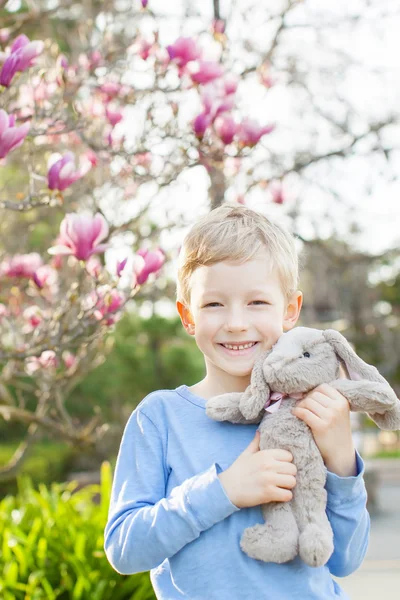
(121, 266)
(57, 262)
(145, 3)
(138, 266)
(4, 312)
(226, 128)
(153, 261)
(5, 34)
(265, 75)
(230, 83)
(114, 116)
(218, 97)
(33, 317)
(115, 140)
(143, 159)
(250, 132)
(21, 265)
(145, 48)
(94, 266)
(91, 157)
(63, 173)
(183, 51)
(11, 137)
(80, 235)
(218, 26)
(200, 124)
(47, 360)
(111, 89)
(21, 57)
(45, 276)
(90, 61)
(69, 359)
(62, 62)
(108, 301)
(96, 59)
(206, 71)
(277, 193)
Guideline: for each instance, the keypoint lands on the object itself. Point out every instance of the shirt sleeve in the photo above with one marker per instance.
(349, 518)
(144, 527)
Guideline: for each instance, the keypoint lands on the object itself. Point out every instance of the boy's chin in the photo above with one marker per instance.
(239, 370)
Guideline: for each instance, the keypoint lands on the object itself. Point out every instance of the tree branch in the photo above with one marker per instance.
(217, 15)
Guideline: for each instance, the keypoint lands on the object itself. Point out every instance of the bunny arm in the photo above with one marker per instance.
(373, 397)
(225, 407)
(253, 404)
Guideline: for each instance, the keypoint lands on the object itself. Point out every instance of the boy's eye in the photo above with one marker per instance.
(254, 302)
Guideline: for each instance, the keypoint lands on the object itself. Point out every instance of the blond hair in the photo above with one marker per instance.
(236, 233)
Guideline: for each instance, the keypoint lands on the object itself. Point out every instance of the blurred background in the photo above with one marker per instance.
(167, 110)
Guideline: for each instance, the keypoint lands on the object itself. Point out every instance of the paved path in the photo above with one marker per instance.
(379, 575)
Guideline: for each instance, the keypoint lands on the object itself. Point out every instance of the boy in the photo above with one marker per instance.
(186, 487)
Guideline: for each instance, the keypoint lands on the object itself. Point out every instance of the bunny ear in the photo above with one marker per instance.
(356, 367)
(258, 392)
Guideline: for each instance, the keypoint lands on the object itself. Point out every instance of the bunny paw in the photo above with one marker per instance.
(315, 545)
(269, 545)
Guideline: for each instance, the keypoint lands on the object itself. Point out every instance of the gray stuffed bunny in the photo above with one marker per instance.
(302, 359)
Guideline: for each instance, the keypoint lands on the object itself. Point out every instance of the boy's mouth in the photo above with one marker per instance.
(239, 349)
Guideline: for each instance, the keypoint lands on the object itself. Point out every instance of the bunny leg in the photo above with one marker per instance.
(276, 540)
(367, 396)
(225, 407)
(309, 507)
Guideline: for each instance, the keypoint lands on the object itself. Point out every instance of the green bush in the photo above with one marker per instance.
(52, 545)
(387, 454)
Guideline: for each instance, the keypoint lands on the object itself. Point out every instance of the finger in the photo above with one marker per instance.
(309, 418)
(279, 454)
(329, 393)
(286, 468)
(285, 481)
(316, 407)
(323, 399)
(282, 495)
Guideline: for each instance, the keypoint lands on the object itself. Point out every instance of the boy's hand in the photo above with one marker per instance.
(327, 413)
(259, 476)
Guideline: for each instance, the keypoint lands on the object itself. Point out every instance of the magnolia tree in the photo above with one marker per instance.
(84, 135)
(98, 117)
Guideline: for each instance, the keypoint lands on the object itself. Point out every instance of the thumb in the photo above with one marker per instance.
(254, 445)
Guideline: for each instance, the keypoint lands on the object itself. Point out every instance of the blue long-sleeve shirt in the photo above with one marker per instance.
(169, 513)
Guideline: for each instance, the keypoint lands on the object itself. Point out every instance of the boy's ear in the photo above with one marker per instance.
(186, 317)
(292, 312)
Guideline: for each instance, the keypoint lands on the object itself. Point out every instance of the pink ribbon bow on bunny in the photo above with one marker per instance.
(274, 401)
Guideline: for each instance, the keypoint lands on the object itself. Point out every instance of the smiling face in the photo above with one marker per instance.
(234, 304)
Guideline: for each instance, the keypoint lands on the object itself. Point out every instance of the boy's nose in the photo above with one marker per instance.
(237, 322)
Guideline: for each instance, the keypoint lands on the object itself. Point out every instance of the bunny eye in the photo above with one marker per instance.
(307, 354)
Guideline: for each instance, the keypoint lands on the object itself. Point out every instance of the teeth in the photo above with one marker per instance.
(243, 347)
